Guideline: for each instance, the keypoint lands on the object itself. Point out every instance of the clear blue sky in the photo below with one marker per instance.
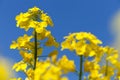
(68, 16)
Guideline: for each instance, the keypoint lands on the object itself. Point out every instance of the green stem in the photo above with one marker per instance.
(35, 53)
(81, 62)
(106, 68)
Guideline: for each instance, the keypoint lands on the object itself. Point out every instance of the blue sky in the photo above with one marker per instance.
(68, 16)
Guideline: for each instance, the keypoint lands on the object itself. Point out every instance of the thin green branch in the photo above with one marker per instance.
(81, 62)
(35, 48)
(106, 71)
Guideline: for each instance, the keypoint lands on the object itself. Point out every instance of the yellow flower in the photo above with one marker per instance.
(34, 10)
(112, 54)
(14, 45)
(23, 20)
(94, 75)
(45, 71)
(53, 73)
(44, 34)
(30, 74)
(40, 27)
(47, 19)
(113, 58)
(80, 50)
(64, 62)
(20, 66)
(26, 56)
(88, 66)
(67, 45)
(51, 41)
(53, 55)
(21, 42)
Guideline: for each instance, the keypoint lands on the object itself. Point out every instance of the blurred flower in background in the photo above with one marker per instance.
(5, 69)
(115, 29)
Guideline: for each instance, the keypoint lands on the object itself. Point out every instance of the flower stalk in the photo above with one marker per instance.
(106, 68)
(35, 48)
(81, 62)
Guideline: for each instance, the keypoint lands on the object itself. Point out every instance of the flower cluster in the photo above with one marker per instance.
(31, 49)
(30, 20)
(101, 63)
(82, 43)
